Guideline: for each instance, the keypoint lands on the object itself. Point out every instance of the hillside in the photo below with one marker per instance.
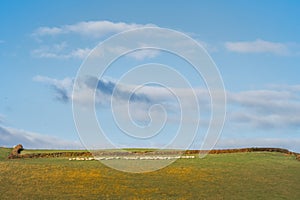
(245, 175)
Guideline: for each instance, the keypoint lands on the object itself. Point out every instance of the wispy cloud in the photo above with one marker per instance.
(89, 28)
(143, 54)
(80, 53)
(140, 54)
(140, 101)
(46, 53)
(95, 31)
(258, 46)
(60, 51)
(62, 88)
(104, 90)
(284, 87)
(250, 111)
(11, 136)
(256, 109)
(266, 109)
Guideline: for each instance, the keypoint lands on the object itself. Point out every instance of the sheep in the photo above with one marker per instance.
(133, 158)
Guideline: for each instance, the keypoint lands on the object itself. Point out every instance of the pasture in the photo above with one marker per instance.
(254, 175)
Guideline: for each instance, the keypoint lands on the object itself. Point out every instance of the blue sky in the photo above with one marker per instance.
(255, 45)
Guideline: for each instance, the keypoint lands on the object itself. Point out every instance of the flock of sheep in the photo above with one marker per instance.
(133, 158)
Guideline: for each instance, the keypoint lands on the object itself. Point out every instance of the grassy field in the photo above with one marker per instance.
(256, 175)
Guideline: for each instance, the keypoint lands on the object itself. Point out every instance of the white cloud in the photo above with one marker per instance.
(78, 53)
(81, 53)
(248, 111)
(63, 88)
(93, 30)
(139, 54)
(267, 109)
(292, 88)
(48, 31)
(140, 102)
(11, 136)
(59, 51)
(258, 46)
(265, 121)
(142, 54)
(89, 28)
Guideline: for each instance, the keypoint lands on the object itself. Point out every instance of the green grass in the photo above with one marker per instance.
(4, 152)
(256, 175)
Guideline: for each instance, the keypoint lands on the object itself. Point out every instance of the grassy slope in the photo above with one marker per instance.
(223, 176)
(4, 152)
